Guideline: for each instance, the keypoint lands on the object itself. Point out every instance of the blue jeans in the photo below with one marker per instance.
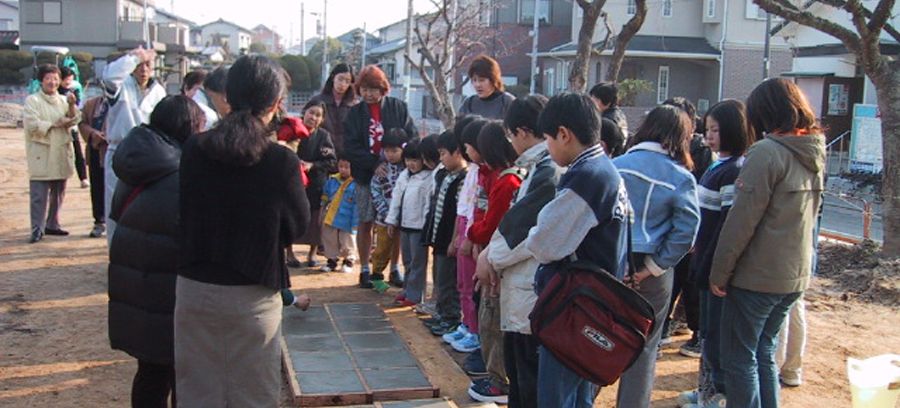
(559, 387)
(711, 333)
(750, 325)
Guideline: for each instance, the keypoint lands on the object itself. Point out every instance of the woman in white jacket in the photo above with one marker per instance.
(48, 116)
(407, 212)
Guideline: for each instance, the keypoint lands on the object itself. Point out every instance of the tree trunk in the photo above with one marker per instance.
(888, 86)
(625, 35)
(581, 65)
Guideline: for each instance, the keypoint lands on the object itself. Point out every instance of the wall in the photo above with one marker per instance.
(684, 22)
(744, 69)
(237, 39)
(10, 16)
(813, 88)
(839, 65)
(88, 25)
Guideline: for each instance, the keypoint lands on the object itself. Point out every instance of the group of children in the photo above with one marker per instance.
(504, 205)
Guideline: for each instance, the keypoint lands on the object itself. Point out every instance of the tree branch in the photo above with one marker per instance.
(777, 7)
(629, 29)
(881, 15)
(888, 28)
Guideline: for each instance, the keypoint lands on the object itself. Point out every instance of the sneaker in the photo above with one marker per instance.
(97, 231)
(380, 286)
(406, 303)
(681, 328)
(58, 232)
(486, 391)
(668, 335)
(456, 335)
(346, 267)
(467, 344)
(717, 401)
(364, 281)
(474, 364)
(35, 237)
(431, 321)
(426, 308)
(790, 382)
(85, 184)
(691, 348)
(443, 328)
(687, 397)
(395, 279)
(330, 265)
(311, 263)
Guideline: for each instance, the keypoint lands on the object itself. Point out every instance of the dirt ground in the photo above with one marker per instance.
(55, 351)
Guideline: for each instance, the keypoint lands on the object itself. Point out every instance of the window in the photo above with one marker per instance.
(43, 12)
(526, 11)
(753, 11)
(598, 73)
(667, 8)
(632, 8)
(711, 8)
(662, 84)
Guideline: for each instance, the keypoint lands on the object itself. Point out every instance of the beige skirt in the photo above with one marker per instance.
(227, 345)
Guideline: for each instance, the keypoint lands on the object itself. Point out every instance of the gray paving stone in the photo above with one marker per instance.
(350, 310)
(313, 313)
(329, 382)
(321, 362)
(374, 341)
(394, 378)
(363, 324)
(313, 343)
(304, 327)
(384, 359)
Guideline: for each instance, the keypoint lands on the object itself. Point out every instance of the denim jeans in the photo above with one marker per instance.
(559, 387)
(750, 325)
(711, 332)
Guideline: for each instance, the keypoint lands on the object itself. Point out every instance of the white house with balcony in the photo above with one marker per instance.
(228, 35)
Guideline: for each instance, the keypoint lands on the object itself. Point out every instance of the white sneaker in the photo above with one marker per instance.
(85, 184)
(347, 268)
(687, 397)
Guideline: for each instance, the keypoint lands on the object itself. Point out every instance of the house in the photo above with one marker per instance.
(228, 35)
(267, 37)
(512, 45)
(104, 27)
(827, 72)
(704, 50)
(9, 24)
(389, 56)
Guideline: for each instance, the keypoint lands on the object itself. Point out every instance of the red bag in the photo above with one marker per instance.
(592, 322)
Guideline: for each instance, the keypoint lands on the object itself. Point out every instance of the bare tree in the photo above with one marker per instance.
(863, 40)
(629, 29)
(591, 11)
(445, 39)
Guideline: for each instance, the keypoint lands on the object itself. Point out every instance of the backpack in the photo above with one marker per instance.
(592, 322)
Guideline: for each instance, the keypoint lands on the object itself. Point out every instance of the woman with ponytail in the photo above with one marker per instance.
(241, 204)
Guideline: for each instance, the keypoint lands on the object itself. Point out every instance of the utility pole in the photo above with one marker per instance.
(302, 30)
(324, 43)
(407, 71)
(147, 28)
(365, 34)
(767, 51)
(534, 47)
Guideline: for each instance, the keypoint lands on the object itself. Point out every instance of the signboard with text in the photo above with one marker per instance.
(865, 140)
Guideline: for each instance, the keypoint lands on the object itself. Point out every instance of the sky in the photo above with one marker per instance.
(342, 15)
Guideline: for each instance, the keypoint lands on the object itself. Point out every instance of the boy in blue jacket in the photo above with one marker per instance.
(340, 218)
(586, 220)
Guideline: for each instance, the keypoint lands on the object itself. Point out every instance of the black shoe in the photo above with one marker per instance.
(57, 232)
(444, 328)
(35, 237)
(474, 364)
(431, 321)
(691, 348)
(364, 280)
(293, 263)
(395, 280)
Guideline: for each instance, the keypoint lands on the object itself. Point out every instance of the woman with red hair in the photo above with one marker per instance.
(490, 100)
(364, 128)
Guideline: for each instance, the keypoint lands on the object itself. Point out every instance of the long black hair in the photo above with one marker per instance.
(177, 117)
(255, 84)
(341, 68)
(495, 148)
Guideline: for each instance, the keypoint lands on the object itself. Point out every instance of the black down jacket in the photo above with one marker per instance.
(143, 255)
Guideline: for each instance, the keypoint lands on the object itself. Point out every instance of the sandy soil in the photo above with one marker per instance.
(55, 351)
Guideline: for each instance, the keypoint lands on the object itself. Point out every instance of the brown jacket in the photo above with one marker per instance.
(766, 243)
(95, 137)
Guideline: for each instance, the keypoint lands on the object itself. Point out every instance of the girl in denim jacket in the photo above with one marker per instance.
(663, 193)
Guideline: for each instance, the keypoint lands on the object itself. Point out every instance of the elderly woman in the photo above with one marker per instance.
(364, 128)
(48, 117)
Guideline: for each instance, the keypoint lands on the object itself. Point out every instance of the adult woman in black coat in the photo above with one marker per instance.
(242, 202)
(143, 255)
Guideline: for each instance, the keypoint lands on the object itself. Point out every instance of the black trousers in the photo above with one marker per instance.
(79, 157)
(521, 361)
(690, 295)
(95, 164)
(153, 384)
